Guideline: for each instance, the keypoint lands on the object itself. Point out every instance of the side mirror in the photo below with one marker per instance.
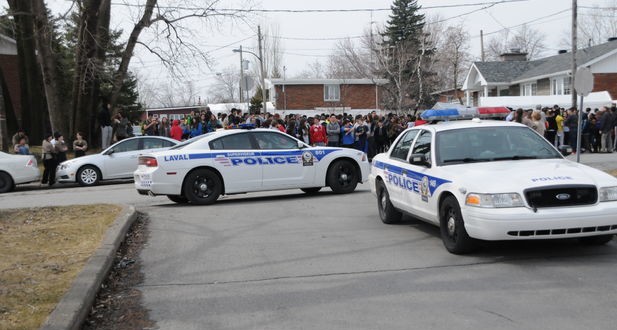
(109, 152)
(419, 160)
(565, 150)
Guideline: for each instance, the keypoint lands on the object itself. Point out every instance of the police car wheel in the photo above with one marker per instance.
(88, 176)
(202, 187)
(452, 227)
(596, 240)
(342, 177)
(311, 191)
(387, 213)
(178, 199)
(6, 183)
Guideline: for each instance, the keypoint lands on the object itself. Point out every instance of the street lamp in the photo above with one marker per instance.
(263, 78)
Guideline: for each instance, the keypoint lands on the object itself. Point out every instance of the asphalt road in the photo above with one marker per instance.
(285, 260)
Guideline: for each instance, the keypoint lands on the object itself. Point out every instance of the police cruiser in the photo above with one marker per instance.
(247, 160)
(491, 180)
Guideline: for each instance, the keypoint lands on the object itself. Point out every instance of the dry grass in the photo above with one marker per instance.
(41, 251)
(613, 172)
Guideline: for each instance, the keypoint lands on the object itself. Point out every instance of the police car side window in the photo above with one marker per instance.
(423, 145)
(232, 142)
(401, 149)
(267, 140)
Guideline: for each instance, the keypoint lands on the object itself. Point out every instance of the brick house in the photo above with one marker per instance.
(10, 69)
(327, 95)
(514, 81)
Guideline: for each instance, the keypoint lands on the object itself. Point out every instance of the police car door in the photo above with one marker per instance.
(236, 157)
(282, 163)
(395, 169)
(417, 199)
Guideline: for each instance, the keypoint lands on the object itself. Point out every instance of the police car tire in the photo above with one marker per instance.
(342, 177)
(6, 182)
(311, 191)
(93, 173)
(596, 240)
(178, 199)
(452, 227)
(387, 213)
(213, 184)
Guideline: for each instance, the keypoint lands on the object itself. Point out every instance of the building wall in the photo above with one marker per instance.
(307, 97)
(10, 68)
(606, 82)
(515, 90)
(451, 96)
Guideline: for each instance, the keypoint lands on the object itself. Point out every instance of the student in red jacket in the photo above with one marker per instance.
(176, 131)
(318, 134)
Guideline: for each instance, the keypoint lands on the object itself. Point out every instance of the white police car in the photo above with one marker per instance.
(239, 160)
(492, 180)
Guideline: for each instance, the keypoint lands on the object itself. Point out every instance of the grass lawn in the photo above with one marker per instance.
(41, 251)
(613, 173)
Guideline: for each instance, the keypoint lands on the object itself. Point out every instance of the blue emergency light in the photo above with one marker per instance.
(464, 113)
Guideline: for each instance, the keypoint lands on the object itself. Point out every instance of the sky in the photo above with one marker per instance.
(309, 36)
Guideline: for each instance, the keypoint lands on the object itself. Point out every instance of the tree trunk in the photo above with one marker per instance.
(93, 39)
(49, 66)
(144, 22)
(34, 116)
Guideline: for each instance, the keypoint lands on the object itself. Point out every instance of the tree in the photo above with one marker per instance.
(314, 70)
(595, 25)
(525, 39)
(256, 101)
(226, 89)
(452, 56)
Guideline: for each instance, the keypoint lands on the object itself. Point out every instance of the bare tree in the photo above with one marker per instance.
(525, 38)
(353, 60)
(453, 57)
(314, 70)
(226, 88)
(595, 25)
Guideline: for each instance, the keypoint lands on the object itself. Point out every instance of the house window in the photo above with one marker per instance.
(529, 89)
(561, 86)
(331, 92)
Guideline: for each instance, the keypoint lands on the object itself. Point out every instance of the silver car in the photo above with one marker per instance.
(119, 161)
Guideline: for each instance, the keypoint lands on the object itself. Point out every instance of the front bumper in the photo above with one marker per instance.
(547, 223)
(66, 175)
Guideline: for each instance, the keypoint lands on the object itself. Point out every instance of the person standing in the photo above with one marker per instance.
(49, 160)
(61, 148)
(333, 130)
(606, 130)
(318, 134)
(80, 145)
(176, 131)
(381, 137)
(560, 132)
(571, 123)
(104, 118)
(121, 126)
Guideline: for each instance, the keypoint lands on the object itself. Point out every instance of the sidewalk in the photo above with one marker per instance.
(601, 161)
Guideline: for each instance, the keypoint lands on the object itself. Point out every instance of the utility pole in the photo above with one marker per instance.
(261, 62)
(574, 33)
(241, 77)
(482, 44)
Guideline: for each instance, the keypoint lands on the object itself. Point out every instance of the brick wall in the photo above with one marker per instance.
(9, 66)
(306, 97)
(606, 82)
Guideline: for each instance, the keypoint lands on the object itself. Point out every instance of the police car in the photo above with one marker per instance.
(246, 160)
(491, 180)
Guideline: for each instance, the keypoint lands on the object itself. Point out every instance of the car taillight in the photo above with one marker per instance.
(148, 161)
(30, 162)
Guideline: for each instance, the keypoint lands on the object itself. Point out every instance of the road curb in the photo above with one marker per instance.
(76, 303)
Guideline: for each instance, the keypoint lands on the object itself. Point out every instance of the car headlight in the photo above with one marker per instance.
(494, 200)
(608, 194)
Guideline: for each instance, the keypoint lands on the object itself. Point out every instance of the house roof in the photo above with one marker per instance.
(518, 71)
(366, 81)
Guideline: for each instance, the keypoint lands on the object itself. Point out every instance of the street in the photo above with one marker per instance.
(284, 260)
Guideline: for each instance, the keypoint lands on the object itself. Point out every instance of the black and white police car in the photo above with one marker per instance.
(491, 180)
(247, 160)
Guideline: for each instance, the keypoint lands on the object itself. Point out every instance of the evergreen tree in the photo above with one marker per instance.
(405, 24)
(256, 101)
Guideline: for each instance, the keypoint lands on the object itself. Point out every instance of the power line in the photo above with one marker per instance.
(527, 22)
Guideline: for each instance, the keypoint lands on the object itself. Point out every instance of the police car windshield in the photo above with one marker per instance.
(190, 141)
(485, 144)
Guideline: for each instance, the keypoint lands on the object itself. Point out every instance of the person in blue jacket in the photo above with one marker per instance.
(347, 132)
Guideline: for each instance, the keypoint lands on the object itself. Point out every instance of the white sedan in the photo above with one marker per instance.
(492, 180)
(17, 169)
(116, 162)
(239, 161)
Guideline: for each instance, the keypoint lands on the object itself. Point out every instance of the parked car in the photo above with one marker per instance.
(492, 180)
(116, 162)
(239, 161)
(17, 169)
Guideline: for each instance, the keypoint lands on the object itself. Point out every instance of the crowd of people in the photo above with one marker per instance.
(560, 126)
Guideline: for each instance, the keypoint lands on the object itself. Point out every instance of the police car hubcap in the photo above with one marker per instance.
(451, 226)
(203, 186)
(344, 177)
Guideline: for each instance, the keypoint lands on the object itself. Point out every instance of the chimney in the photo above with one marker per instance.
(514, 54)
(562, 51)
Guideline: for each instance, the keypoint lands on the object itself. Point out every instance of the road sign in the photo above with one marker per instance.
(583, 81)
